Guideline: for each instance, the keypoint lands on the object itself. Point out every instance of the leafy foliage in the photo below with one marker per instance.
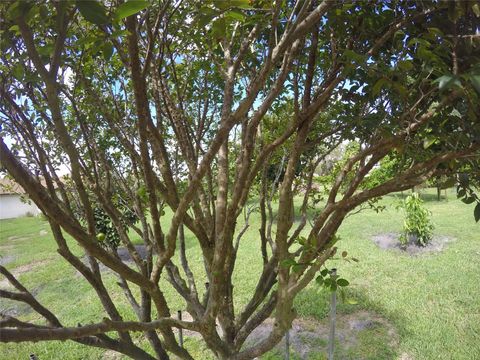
(388, 167)
(107, 232)
(328, 279)
(467, 190)
(417, 227)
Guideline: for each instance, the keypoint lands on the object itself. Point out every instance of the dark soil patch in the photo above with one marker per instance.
(125, 255)
(309, 337)
(16, 308)
(391, 241)
(5, 259)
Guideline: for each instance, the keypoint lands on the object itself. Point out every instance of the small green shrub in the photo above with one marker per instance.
(417, 226)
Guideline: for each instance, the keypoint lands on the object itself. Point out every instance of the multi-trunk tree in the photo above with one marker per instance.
(116, 114)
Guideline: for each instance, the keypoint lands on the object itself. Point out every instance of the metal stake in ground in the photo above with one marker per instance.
(180, 330)
(333, 315)
(287, 345)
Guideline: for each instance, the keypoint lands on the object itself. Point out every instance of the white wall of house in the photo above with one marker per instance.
(11, 206)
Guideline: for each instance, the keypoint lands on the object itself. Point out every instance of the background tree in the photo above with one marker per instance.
(185, 106)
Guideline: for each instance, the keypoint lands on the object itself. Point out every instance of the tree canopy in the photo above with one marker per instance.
(116, 115)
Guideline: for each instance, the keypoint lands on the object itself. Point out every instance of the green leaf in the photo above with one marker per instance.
(400, 89)
(475, 79)
(461, 193)
(205, 18)
(243, 4)
(342, 282)
(429, 141)
(415, 41)
(456, 113)
(378, 86)
(468, 200)
(445, 82)
(18, 8)
(344, 254)
(476, 212)
(353, 56)
(297, 268)
(92, 11)
(130, 8)
(328, 282)
(476, 9)
(219, 28)
(45, 50)
(319, 280)
(107, 50)
(287, 263)
(399, 33)
(302, 240)
(13, 10)
(405, 65)
(15, 29)
(352, 302)
(43, 12)
(435, 31)
(227, 4)
(235, 15)
(18, 72)
(324, 272)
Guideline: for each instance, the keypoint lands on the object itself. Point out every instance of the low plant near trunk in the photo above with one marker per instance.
(417, 227)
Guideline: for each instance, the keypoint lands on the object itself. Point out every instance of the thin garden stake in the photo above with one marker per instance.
(180, 330)
(287, 345)
(333, 314)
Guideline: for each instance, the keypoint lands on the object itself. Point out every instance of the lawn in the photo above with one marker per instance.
(423, 307)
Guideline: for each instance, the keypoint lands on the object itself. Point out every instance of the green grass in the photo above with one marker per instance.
(431, 300)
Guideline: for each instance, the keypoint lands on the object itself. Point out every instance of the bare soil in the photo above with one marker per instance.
(125, 255)
(5, 259)
(310, 336)
(14, 308)
(122, 253)
(390, 241)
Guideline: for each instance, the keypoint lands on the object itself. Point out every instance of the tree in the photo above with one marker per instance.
(184, 106)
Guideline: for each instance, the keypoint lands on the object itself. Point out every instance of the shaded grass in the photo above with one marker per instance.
(432, 300)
